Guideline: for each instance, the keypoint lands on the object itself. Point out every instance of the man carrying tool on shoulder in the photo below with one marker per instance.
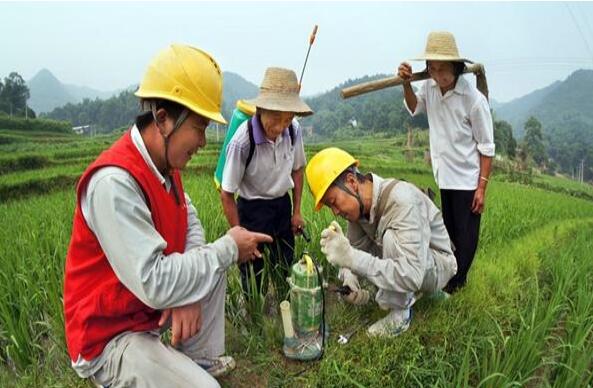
(461, 143)
(395, 238)
(138, 260)
(264, 161)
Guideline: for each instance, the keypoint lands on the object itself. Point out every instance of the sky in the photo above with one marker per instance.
(107, 45)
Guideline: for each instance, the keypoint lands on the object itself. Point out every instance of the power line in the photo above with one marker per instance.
(537, 63)
(586, 23)
(534, 59)
(580, 30)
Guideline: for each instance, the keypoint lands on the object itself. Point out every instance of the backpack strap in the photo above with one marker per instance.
(384, 198)
(428, 192)
(251, 143)
(385, 195)
(291, 134)
(252, 140)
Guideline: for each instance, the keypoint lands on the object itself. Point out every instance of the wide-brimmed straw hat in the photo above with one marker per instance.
(280, 91)
(441, 46)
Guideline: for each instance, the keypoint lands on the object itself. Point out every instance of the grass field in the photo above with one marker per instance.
(525, 318)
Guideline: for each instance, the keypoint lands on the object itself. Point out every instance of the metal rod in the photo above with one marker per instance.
(311, 40)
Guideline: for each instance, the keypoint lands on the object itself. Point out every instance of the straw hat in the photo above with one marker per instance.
(280, 91)
(441, 46)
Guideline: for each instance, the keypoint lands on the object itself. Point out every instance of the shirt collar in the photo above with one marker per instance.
(259, 136)
(139, 144)
(460, 87)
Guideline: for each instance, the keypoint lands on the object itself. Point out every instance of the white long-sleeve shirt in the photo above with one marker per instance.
(115, 209)
(461, 128)
(408, 249)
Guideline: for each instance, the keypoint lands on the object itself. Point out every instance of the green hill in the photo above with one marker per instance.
(377, 112)
(569, 104)
(561, 104)
(235, 88)
(48, 92)
(565, 110)
(120, 110)
(518, 110)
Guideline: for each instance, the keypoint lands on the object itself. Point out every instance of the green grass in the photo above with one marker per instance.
(525, 318)
(564, 184)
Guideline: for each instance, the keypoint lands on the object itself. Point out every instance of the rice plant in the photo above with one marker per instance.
(525, 318)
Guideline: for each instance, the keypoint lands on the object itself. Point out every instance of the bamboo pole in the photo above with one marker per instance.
(371, 86)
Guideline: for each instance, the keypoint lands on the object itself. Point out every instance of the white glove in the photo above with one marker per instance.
(348, 279)
(357, 296)
(336, 246)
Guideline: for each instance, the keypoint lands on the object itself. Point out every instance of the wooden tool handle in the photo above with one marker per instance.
(379, 84)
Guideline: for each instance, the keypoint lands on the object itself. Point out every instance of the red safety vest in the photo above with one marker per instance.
(97, 306)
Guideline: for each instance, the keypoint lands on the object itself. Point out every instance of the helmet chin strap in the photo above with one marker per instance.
(356, 195)
(184, 114)
(178, 123)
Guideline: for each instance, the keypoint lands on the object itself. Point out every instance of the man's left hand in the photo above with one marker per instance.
(336, 247)
(479, 200)
(297, 223)
(186, 321)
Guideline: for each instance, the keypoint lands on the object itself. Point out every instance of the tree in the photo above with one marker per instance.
(503, 138)
(344, 113)
(14, 95)
(534, 142)
(3, 104)
(328, 122)
(103, 115)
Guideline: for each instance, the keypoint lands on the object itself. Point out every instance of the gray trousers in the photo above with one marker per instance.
(140, 359)
(435, 279)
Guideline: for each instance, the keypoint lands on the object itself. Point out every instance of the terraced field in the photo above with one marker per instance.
(525, 319)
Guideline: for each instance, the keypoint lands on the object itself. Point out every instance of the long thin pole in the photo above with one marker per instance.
(311, 40)
(383, 83)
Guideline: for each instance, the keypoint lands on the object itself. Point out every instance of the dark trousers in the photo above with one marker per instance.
(463, 227)
(273, 217)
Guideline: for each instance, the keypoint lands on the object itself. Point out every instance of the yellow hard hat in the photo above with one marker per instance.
(187, 76)
(323, 169)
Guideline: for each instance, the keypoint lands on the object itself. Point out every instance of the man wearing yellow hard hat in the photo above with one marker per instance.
(138, 261)
(395, 238)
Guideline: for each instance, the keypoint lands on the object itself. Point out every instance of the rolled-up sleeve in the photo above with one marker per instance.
(405, 249)
(482, 126)
(420, 102)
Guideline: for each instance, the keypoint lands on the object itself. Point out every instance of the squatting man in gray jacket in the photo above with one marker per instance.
(396, 237)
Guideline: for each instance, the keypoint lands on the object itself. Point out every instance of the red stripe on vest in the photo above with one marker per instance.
(97, 306)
